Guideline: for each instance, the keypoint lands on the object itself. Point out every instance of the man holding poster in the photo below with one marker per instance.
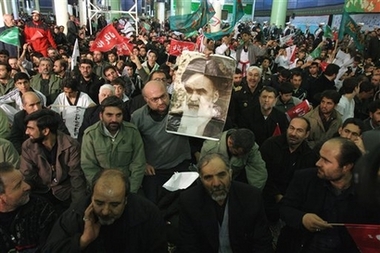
(202, 95)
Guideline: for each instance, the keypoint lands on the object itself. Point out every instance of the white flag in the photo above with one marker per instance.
(75, 55)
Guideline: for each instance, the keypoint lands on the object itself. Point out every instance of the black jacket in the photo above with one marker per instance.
(30, 227)
(140, 229)
(248, 227)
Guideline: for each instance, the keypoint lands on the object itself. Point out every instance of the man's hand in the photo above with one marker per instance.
(149, 170)
(91, 227)
(314, 223)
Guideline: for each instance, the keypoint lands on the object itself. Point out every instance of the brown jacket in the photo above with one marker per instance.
(69, 179)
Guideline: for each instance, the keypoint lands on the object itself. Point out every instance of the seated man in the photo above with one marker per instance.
(243, 154)
(324, 119)
(222, 215)
(111, 220)
(31, 103)
(319, 196)
(8, 153)
(25, 221)
(113, 143)
(22, 84)
(50, 160)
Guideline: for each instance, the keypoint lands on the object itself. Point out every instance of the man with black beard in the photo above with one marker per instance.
(222, 215)
(113, 143)
(50, 161)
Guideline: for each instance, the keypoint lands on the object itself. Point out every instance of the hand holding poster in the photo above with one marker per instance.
(202, 92)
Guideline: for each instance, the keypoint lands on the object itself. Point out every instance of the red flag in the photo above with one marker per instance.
(107, 39)
(176, 47)
(37, 35)
(299, 110)
(277, 130)
(366, 237)
(125, 48)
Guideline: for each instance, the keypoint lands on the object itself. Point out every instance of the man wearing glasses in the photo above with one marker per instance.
(165, 153)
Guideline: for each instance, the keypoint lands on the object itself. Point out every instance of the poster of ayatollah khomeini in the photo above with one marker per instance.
(202, 93)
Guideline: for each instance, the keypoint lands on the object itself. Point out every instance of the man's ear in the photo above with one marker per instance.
(46, 131)
(216, 96)
(348, 167)
(340, 130)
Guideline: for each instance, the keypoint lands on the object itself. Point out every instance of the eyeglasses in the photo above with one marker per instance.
(160, 79)
(156, 100)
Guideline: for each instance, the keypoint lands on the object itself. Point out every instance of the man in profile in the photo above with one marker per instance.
(203, 101)
(25, 221)
(111, 220)
(320, 196)
(221, 215)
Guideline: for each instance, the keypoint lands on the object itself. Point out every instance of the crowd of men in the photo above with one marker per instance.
(92, 182)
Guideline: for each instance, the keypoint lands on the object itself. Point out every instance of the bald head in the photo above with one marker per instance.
(8, 20)
(31, 102)
(111, 181)
(156, 96)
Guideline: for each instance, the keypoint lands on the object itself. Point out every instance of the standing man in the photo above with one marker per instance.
(72, 30)
(38, 35)
(99, 63)
(222, 215)
(324, 119)
(25, 221)
(112, 220)
(50, 161)
(165, 153)
(112, 143)
(9, 22)
(247, 53)
(319, 196)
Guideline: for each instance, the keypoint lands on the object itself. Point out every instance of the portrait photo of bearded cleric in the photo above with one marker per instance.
(202, 92)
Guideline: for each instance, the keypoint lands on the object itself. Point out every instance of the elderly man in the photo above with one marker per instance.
(50, 160)
(112, 143)
(25, 221)
(9, 22)
(206, 86)
(165, 153)
(111, 220)
(222, 215)
(320, 196)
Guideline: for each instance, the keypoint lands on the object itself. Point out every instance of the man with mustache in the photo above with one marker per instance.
(221, 215)
(50, 161)
(319, 196)
(110, 220)
(113, 143)
(25, 221)
(284, 155)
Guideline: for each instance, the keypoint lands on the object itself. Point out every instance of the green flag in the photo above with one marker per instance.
(237, 14)
(328, 32)
(349, 26)
(10, 36)
(316, 53)
(194, 21)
